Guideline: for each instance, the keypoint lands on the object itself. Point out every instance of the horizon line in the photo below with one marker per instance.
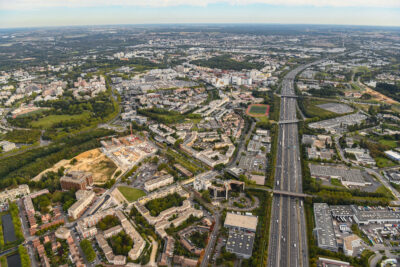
(201, 24)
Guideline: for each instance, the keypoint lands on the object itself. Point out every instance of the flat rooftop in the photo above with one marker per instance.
(324, 227)
(346, 174)
(341, 210)
(240, 243)
(241, 221)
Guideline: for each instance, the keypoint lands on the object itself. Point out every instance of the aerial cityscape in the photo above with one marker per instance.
(200, 143)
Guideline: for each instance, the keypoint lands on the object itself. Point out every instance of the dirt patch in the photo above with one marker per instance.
(92, 161)
(378, 96)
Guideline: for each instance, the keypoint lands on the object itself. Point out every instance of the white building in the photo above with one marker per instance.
(158, 182)
(203, 180)
(13, 194)
(7, 146)
(84, 198)
(393, 155)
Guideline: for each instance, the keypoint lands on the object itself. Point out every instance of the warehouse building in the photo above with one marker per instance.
(240, 243)
(235, 221)
(348, 176)
(323, 230)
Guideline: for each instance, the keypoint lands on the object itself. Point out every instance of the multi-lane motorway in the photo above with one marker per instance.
(288, 241)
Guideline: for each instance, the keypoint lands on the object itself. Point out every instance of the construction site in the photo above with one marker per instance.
(93, 161)
(127, 151)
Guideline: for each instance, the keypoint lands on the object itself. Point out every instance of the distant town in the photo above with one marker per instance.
(200, 146)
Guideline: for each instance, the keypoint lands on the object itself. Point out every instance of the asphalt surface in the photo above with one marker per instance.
(288, 236)
(211, 242)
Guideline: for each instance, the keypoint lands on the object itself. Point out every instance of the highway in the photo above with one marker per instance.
(288, 236)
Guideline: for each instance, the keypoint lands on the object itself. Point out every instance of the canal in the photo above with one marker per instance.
(14, 260)
(8, 229)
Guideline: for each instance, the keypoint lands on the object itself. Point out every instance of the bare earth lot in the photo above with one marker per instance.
(92, 161)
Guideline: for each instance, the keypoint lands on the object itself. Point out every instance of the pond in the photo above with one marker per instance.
(14, 260)
(8, 229)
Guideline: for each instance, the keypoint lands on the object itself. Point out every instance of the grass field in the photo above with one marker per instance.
(258, 110)
(390, 143)
(312, 110)
(131, 194)
(47, 122)
(384, 162)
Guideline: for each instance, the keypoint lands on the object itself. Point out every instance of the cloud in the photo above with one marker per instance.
(38, 4)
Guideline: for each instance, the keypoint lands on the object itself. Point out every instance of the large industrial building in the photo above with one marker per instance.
(240, 243)
(235, 221)
(323, 230)
(348, 176)
(366, 215)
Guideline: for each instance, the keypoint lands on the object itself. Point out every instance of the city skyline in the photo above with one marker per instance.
(27, 13)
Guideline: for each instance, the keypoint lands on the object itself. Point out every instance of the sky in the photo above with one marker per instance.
(36, 13)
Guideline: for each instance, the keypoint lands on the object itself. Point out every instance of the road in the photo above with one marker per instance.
(242, 145)
(288, 236)
(211, 242)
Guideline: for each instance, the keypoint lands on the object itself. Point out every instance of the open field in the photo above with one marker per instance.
(131, 194)
(391, 143)
(92, 161)
(311, 108)
(258, 110)
(49, 121)
(382, 162)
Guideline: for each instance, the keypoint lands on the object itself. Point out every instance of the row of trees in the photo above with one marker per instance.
(23, 254)
(88, 250)
(13, 209)
(166, 116)
(227, 63)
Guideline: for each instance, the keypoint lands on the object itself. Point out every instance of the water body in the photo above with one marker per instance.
(14, 260)
(8, 229)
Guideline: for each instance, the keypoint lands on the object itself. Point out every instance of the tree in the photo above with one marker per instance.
(88, 250)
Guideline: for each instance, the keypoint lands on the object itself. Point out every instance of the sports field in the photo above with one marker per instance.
(258, 110)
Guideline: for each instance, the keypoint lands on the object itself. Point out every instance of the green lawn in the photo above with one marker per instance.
(390, 143)
(336, 182)
(384, 162)
(131, 194)
(47, 122)
(311, 109)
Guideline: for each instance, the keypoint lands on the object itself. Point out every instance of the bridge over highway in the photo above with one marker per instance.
(286, 95)
(291, 194)
(288, 121)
